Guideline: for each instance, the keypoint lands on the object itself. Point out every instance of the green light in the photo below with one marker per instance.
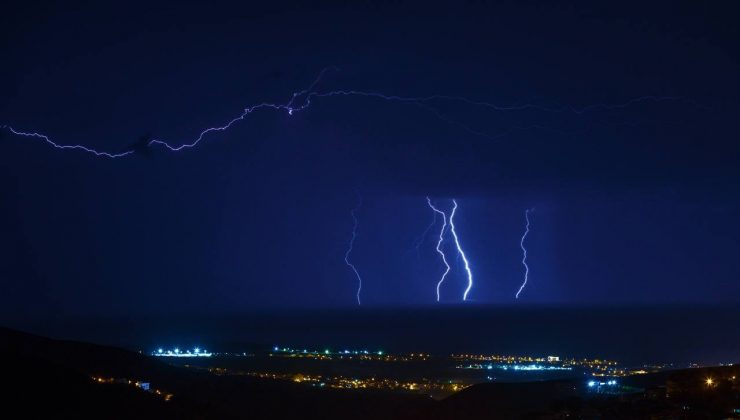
(326, 351)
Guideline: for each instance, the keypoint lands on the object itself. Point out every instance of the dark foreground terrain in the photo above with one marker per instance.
(71, 379)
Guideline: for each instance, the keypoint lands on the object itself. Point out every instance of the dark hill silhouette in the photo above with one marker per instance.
(36, 387)
(55, 375)
(508, 400)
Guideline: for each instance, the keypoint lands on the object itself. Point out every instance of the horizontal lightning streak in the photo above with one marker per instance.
(308, 94)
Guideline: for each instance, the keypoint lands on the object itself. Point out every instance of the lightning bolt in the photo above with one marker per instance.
(64, 146)
(439, 244)
(295, 105)
(355, 222)
(460, 251)
(524, 253)
(288, 107)
(421, 238)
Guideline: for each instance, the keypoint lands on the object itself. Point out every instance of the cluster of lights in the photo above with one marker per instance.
(534, 367)
(592, 384)
(341, 382)
(278, 349)
(379, 356)
(499, 358)
(288, 350)
(196, 352)
(139, 384)
(711, 382)
(514, 367)
(597, 367)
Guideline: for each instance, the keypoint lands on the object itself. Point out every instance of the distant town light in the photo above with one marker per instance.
(196, 352)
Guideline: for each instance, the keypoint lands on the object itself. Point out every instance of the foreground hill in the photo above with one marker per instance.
(56, 377)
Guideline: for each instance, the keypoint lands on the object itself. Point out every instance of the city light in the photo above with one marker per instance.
(610, 383)
(423, 386)
(196, 352)
(144, 386)
(517, 367)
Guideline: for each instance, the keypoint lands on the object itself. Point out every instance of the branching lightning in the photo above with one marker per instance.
(524, 253)
(439, 244)
(419, 241)
(355, 222)
(301, 100)
(460, 251)
(288, 107)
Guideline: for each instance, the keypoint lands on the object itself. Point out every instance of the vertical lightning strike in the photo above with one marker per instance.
(524, 253)
(355, 222)
(439, 244)
(460, 251)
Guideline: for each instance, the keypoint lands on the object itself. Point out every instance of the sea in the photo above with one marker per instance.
(631, 335)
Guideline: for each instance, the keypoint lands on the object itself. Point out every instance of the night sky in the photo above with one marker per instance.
(634, 204)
